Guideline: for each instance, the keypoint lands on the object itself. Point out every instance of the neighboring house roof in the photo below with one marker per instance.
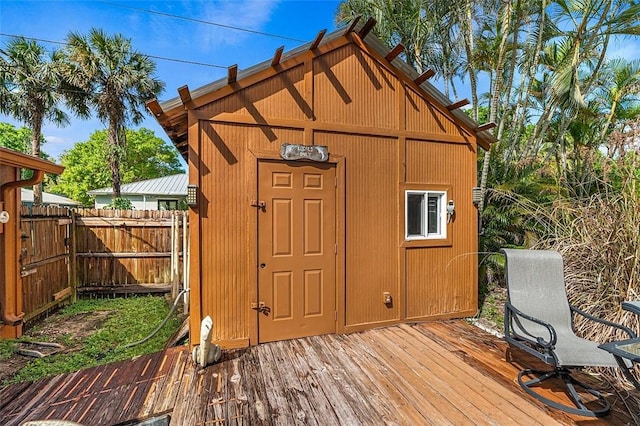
(167, 185)
(172, 114)
(26, 195)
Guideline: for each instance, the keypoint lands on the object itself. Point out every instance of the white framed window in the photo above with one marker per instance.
(425, 215)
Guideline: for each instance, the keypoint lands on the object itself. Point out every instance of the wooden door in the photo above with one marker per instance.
(296, 250)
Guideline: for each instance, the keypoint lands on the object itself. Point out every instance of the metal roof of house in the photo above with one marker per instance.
(167, 185)
(172, 114)
(26, 195)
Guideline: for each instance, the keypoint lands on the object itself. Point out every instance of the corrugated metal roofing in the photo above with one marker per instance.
(26, 195)
(167, 185)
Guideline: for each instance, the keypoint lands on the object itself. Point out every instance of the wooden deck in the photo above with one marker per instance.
(441, 373)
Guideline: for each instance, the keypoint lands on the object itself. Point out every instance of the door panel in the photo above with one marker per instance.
(296, 240)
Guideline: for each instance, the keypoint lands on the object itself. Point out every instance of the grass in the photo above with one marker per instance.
(492, 309)
(129, 320)
(6, 349)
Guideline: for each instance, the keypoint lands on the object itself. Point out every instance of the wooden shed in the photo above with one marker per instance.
(334, 193)
(11, 163)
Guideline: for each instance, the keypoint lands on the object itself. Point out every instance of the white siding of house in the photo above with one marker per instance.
(139, 202)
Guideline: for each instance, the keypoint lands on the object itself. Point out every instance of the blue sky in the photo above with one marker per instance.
(164, 36)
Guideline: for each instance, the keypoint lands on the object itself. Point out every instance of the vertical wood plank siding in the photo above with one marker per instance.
(284, 98)
(353, 89)
(371, 225)
(424, 117)
(441, 280)
(372, 123)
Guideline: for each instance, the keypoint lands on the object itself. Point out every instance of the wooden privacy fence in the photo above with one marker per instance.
(129, 251)
(66, 252)
(45, 258)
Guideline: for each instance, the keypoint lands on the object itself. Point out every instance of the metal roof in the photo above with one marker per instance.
(167, 185)
(26, 195)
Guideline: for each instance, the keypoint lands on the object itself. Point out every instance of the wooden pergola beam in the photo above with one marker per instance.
(232, 74)
(154, 106)
(185, 95)
(352, 25)
(458, 104)
(277, 56)
(424, 76)
(367, 27)
(485, 127)
(318, 39)
(394, 52)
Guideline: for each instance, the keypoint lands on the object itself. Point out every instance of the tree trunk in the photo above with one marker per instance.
(469, 46)
(495, 99)
(114, 156)
(523, 101)
(36, 130)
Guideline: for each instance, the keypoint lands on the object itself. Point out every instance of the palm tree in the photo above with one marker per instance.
(396, 22)
(619, 91)
(115, 81)
(582, 37)
(30, 90)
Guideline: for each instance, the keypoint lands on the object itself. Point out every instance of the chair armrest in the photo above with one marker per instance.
(605, 322)
(632, 306)
(509, 309)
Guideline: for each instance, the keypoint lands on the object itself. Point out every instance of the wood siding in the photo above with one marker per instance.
(350, 88)
(370, 224)
(384, 136)
(439, 278)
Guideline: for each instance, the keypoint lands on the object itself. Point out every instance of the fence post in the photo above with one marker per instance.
(73, 261)
(175, 250)
(185, 259)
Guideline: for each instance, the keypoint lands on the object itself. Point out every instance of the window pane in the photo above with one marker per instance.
(167, 204)
(433, 214)
(415, 214)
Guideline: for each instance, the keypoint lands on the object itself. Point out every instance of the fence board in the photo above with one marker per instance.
(97, 251)
(44, 259)
(116, 248)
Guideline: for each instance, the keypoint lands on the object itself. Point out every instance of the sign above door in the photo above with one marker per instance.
(317, 153)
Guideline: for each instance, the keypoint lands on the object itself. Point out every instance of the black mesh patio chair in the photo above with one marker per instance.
(539, 320)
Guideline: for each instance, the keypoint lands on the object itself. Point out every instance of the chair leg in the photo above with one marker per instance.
(580, 408)
(628, 371)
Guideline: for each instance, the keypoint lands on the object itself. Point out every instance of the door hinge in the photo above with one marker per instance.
(335, 248)
(335, 315)
(336, 182)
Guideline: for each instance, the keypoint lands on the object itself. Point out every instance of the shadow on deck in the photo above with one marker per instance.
(430, 373)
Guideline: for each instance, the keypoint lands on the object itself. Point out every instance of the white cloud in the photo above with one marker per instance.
(57, 140)
(251, 15)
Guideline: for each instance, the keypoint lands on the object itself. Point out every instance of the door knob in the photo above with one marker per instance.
(263, 265)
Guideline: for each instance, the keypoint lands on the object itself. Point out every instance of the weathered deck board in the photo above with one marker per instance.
(432, 373)
(402, 412)
(490, 357)
(456, 383)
